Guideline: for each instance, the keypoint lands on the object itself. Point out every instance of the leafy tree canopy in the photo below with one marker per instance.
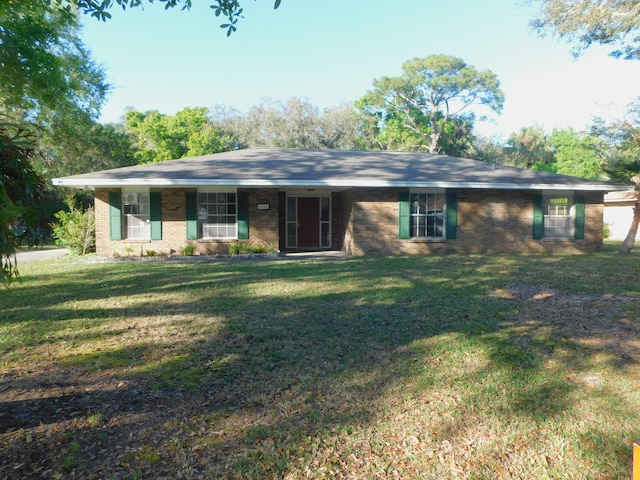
(48, 79)
(48, 86)
(80, 145)
(528, 147)
(231, 9)
(620, 146)
(44, 63)
(456, 139)
(565, 151)
(295, 123)
(615, 23)
(575, 154)
(190, 132)
(430, 92)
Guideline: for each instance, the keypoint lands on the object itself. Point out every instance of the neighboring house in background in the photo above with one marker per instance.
(618, 213)
(358, 202)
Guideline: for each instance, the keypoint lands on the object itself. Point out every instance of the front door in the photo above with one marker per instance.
(308, 222)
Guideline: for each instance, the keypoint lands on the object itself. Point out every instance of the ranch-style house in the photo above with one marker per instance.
(359, 202)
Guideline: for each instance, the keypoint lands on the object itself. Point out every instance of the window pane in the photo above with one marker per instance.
(291, 208)
(136, 218)
(430, 205)
(557, 226)
(438, 203)
(427, 215)
(435, 226)
(324, 209)
(423, 204)
(291, 235)
(217, 215)
(414, 203)
(417, 226)
(324, 236)
(559, 201)
(558, 221)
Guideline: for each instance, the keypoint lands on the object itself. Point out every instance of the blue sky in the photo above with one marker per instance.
(330, 51)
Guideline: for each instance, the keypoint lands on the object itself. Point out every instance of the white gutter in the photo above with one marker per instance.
(165, 182)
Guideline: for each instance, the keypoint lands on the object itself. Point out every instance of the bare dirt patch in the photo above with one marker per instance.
(596, 321)
(62, 424)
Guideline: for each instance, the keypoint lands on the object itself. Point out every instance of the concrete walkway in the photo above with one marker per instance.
(321, 255)
(29, 256)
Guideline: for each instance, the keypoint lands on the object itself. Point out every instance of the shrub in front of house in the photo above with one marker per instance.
(75, 228)
(245, 248)
(189, 250)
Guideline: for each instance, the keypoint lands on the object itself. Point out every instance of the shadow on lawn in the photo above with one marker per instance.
(271, 363)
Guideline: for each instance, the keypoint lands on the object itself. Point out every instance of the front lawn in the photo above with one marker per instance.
(496, 367)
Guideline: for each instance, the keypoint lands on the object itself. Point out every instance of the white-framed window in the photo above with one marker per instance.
(427, 214)
(217, 214)
(558, 216)
(136, 211)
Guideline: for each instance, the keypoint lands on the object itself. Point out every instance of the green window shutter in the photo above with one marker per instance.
(115, 215)
(404, 215)
(452, 215)
(538, 217)
(580, 210)
(243, 216)
(155, 215)
(191, 201)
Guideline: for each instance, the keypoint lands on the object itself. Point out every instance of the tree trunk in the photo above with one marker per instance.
(630, 239)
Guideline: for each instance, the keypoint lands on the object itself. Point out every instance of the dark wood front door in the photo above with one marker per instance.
(308, 222)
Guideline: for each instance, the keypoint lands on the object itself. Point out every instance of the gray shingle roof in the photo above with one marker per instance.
(330, 168)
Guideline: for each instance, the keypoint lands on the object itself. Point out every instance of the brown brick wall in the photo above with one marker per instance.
(488, 222)
(502, 221)
(101, 206)
(263, 225)
(173, 226)
(365, 221)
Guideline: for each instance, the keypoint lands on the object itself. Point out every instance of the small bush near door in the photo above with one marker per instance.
(242, 248)
(189, 250)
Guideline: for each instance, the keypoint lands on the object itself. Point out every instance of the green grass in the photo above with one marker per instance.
(390, 367)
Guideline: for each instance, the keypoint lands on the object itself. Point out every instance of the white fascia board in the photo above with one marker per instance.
(166, 182)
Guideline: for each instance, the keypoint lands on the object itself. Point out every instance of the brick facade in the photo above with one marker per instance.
(365, 221)
(263, 225)
(489, 221)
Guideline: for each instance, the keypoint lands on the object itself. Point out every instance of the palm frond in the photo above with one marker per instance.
(625, 170)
